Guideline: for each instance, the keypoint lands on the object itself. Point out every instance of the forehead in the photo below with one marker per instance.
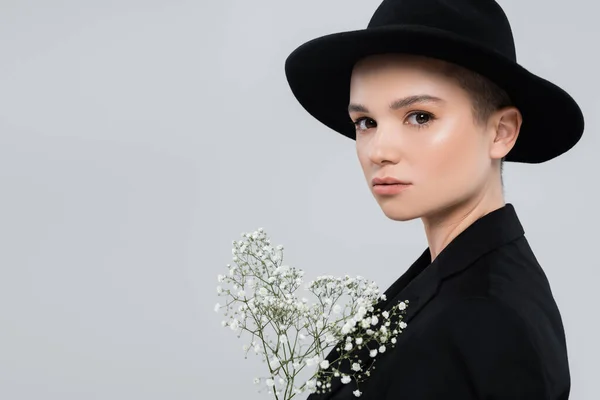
(389, 75)
(400, 66)
(398, 61)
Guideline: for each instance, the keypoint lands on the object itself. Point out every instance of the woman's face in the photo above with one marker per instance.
(416, 125)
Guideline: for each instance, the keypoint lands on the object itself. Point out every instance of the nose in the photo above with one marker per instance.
(384, 145)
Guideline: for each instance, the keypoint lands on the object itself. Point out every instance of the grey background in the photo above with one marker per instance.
(139, 138)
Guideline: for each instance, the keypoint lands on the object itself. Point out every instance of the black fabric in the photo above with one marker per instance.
(472, 33)
(482, 325)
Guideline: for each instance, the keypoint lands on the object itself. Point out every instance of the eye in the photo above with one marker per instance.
(420, 118)
(363, 123)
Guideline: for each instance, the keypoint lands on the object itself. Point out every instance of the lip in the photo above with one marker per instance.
(388, 180)
(388, 189)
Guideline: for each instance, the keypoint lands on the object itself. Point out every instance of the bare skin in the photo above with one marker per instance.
(451, 161)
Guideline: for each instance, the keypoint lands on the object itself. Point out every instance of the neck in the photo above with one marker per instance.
(444, 225)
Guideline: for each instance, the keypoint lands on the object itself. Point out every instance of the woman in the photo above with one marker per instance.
(435, 100)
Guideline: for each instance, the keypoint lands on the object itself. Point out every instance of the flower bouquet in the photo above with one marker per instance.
(265, 292)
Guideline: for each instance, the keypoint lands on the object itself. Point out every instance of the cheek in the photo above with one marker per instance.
(451, 155)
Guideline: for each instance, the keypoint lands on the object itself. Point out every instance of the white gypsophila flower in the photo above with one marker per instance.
(357, 393)
(402, 305)
(385, 314)
(241, 293)
(345, 379)
(311, 384)
(402, 324)
(393, 340)
(373, 353)
(256, 381)
(270, 382)
(220, 278)
(223, 323)
(374, 320)
(234, 324)
(337, 309)
(356, 367)
(361, 312)
(359, 340)
(329, 338)
(324, 364)
(263, 291)
(219, 289)
(301, 336)
(365, 323)
(348, 346)
(217, 307)
(245, 347)
(346, 328)
(317, 359)
(382, 349)
(283, 338)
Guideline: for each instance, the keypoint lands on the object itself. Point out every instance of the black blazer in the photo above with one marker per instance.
(482, 324)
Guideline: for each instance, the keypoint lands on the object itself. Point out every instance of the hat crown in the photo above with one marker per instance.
(480, 21)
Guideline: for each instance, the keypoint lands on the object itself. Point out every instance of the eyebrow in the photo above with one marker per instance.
(399, 103)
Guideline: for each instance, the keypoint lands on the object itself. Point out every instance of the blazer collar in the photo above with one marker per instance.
(420, 283)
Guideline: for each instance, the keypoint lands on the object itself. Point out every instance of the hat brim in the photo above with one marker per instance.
(319, 73)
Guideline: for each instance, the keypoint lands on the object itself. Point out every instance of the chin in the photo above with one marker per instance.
(400, 214)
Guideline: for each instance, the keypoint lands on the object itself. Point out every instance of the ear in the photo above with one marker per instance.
(505, 125)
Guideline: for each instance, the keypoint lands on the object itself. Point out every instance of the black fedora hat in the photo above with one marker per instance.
(474, 34)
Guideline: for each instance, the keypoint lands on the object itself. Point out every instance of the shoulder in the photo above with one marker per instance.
(479, 348)
(482, 319)
(490, 338)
